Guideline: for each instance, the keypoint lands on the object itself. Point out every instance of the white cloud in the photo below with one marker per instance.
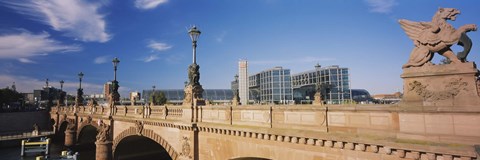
(28, 84)
(23, 45)
(150, 58)
(24, 60)
(148, 4)
(158, 46)
(381, 6)
(101, 59)
(78, 19)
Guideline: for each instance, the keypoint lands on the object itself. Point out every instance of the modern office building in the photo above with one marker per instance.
(334, 79)
(243, 81)
(47, 93)
(271, 86)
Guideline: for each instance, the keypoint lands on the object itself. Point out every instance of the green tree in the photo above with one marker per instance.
(8, 96)
(158, 98)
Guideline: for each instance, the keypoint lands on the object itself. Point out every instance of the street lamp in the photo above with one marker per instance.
(194, 34)
(115, 62)
(79, 99)
(80, 76)
(61, 85)
(116, 95)
(62, 96)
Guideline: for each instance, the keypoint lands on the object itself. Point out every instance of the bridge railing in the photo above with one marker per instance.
(170, 112)
(23, 135)
(286, 117)
(382, 121)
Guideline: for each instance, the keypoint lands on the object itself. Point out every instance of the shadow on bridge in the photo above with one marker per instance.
(60, 135)
(86, 142)
(138, 148)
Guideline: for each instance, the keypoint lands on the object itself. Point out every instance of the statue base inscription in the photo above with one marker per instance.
(449, 85)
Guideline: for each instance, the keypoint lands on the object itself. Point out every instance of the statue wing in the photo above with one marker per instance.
(413, 29)
(423, 32)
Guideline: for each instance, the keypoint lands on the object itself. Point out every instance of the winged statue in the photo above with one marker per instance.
(436, 37)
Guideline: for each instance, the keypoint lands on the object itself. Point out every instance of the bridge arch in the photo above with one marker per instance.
(144, 134)
(87, 134)
(86, 124)
(60, 132)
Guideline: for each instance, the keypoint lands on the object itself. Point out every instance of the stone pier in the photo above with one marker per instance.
(103, 150)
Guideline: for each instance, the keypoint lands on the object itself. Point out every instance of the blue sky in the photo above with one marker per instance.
(56, 39)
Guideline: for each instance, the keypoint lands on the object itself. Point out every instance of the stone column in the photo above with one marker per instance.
(70, 137)
(103, 150)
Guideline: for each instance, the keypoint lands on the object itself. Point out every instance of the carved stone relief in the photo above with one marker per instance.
(186, 150)
(451, 89)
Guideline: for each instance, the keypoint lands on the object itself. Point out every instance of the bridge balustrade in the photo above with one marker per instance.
(391, 128)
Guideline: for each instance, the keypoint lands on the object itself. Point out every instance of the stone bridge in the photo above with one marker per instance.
(280, 132)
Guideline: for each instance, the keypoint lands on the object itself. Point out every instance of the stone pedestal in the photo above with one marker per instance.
(103, 150)
(453, 85)
(193, 95)
(70, 137)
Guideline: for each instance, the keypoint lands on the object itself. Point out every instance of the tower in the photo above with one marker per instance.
(243, 81)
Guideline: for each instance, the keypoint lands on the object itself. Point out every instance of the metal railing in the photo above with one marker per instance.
(23, 135)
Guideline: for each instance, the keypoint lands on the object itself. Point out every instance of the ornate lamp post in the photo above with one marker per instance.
(194, 34)
(115, 62)
(193, 91)
(116, 95)
(80, 76)
(62, 95)
(79, 99)
(61, 85)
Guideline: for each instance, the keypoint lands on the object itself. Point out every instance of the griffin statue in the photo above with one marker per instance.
(437, 36)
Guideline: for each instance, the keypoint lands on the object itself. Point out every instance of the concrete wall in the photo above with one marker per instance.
(23, 121)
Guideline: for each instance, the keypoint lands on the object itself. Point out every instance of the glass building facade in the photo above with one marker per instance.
(175, 96)
(334, 78)
(271, 86)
